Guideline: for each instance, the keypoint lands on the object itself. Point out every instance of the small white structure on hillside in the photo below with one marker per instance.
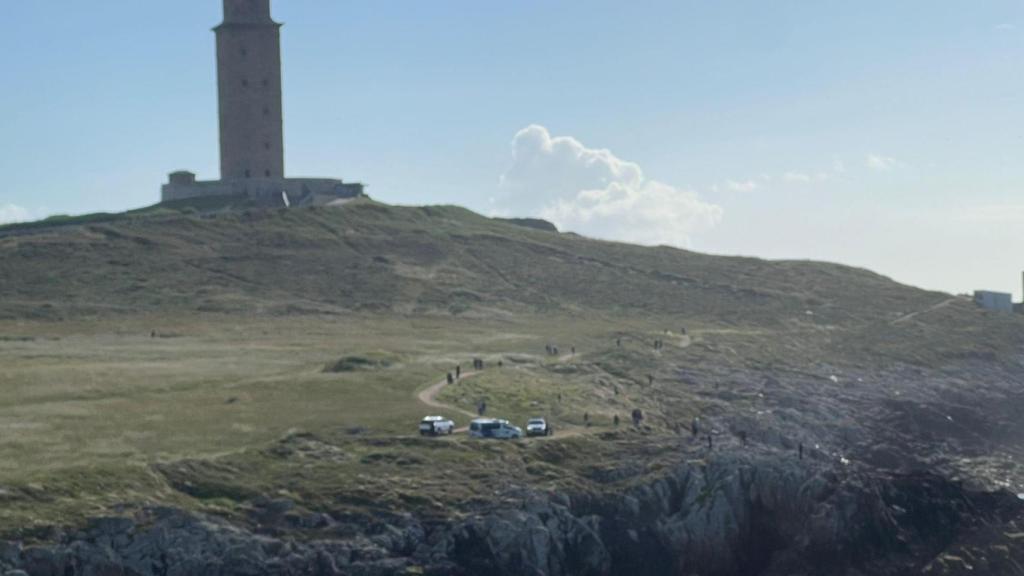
(996, 301)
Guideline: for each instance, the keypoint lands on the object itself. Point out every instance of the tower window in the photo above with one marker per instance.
(266, 145)
(266, 111)
(248, 174)
(245, 52)
(266, 173)
(266, 82)
(245, 83)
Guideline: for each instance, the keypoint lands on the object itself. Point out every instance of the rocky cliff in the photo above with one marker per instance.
(732, 514)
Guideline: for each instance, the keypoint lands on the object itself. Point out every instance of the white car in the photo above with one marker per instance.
(494, 428)
(436, 426)
(538, 427)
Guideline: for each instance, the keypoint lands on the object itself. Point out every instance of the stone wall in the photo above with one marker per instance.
(301, 191)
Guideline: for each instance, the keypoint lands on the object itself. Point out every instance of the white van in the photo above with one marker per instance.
(494, 428)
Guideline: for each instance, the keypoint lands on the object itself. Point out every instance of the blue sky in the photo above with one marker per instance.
(879, 134)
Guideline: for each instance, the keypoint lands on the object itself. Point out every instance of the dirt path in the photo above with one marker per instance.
(428, 395)
(942, 304)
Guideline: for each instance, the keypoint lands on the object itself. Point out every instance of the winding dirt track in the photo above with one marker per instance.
(429, 395)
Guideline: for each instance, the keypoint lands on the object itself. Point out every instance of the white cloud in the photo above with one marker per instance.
(880, 163)
(744, 186)
(593, 192)
(1005, 27)
(10, 213)
(796, 177)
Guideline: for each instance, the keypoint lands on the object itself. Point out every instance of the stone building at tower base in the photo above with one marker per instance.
(183, 185)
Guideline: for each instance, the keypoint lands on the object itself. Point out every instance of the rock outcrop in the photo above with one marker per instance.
(734, 514)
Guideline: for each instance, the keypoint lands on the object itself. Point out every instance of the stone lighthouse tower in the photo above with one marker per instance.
(249, 87)
(251, 129)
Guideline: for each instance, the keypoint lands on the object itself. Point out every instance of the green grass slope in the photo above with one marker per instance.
(432, 259)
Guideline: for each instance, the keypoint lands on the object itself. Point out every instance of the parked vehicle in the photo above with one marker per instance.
(436, 426)
(494, 428)
(538, 427)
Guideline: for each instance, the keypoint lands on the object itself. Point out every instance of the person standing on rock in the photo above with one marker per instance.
(586, 419)
(618, 342)
(650, 379)
(709, 442)
(458, 372)
(615, 420)
(451, 379)
(694, 428)
(573, 350)
(801, 450)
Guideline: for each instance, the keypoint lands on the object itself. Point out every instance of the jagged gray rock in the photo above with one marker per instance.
(738, 513)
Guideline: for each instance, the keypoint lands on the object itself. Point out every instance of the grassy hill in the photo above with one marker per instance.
(369, 256)
(178, 355)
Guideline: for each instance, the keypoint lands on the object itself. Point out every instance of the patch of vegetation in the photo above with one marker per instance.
(357, 363)
(535, 223)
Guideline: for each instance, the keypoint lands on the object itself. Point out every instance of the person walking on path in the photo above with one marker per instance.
(451, 379)
(458, 372)
(638, 416)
